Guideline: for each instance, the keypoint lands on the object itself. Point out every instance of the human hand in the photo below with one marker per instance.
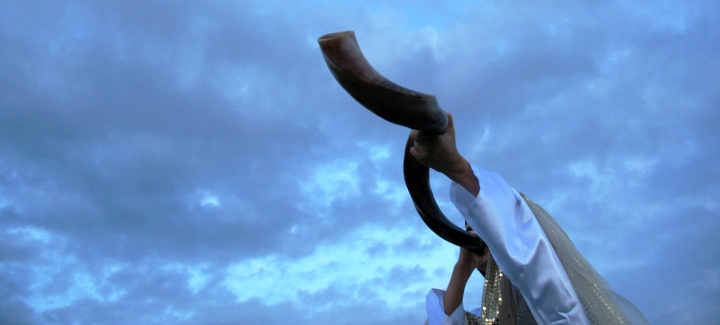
(466, 264)
(440, 153)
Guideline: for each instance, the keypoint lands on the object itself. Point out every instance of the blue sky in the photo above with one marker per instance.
(196, 163)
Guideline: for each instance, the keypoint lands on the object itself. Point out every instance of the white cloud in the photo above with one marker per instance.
(350, 267)
(337, 180)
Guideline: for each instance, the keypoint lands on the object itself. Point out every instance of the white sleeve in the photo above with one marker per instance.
(436, 310)
(520, 247)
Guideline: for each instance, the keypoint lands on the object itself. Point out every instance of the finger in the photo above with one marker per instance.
(420, 149)
(414, 134)
(417, 154)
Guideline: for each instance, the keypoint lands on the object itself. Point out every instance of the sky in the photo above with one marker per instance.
(195, 162)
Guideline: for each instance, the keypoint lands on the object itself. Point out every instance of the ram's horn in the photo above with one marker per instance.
(401, 106)
(386, 99)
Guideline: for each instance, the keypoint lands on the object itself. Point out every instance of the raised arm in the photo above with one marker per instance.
(468, 261)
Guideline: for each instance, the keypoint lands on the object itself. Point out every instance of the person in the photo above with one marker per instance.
(533, 273)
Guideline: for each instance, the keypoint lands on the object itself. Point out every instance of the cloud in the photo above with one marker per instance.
(197, 163)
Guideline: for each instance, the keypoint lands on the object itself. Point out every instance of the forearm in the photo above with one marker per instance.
(456, 287)
(463, 174)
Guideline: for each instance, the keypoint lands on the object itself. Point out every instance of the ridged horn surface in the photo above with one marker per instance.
(401, 106)
(381, 96)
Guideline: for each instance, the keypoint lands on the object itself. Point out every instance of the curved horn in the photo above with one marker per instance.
(386, 99)
(401, 106)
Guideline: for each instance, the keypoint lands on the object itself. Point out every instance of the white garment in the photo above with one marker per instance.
(436, 310)
(521, 249)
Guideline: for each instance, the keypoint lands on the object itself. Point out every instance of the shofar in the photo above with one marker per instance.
(401, 106)
(421, 112)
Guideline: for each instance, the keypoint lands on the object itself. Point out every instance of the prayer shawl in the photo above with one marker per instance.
(503, 303)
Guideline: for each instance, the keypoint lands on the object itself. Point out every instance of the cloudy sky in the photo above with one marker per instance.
(194, 162)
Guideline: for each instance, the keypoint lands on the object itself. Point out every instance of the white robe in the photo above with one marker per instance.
(521, 249)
